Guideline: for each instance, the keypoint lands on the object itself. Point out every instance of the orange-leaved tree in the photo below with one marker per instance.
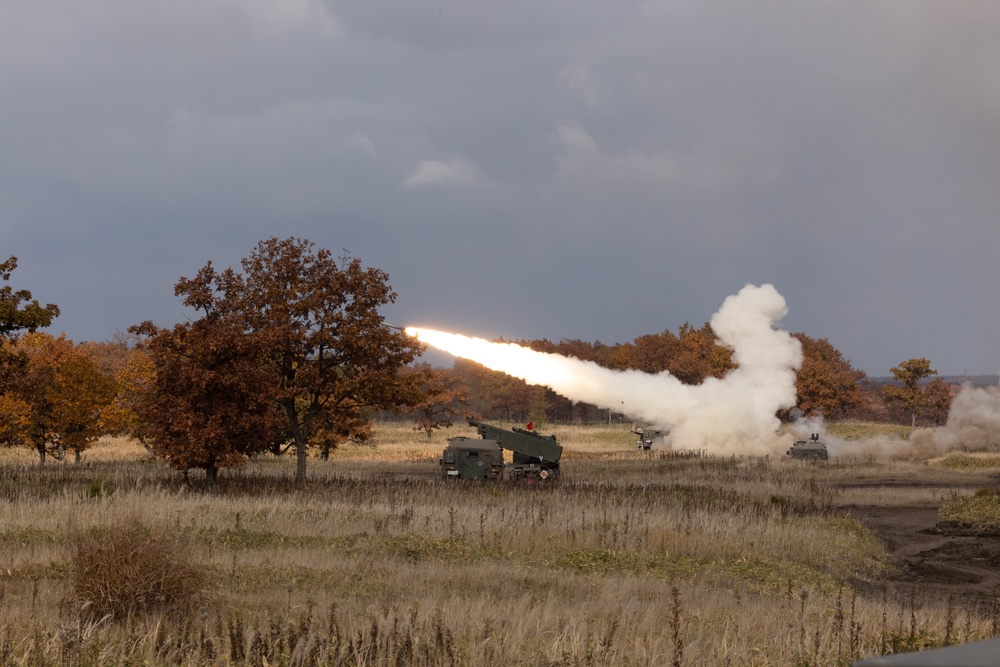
(938, 396)
(59, 398)
(210, 401)
(826, 384)
(692, 355)
(298, 332)
(909, 393)
(444, 397)
(132, 381)
(334, 359)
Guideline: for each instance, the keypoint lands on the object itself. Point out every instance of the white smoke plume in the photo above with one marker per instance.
(973, 425)
(733, 415)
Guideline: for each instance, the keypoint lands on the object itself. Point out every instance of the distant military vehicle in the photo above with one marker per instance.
(646, 436)
(809, 450)
(535, 456)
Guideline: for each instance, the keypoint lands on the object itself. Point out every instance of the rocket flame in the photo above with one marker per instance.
(732, 415)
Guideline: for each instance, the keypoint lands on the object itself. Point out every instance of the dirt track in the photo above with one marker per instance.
(937, 558)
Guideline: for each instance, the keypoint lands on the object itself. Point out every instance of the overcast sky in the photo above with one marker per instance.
(527, 168)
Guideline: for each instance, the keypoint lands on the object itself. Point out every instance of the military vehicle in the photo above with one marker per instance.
(646, 436)
(471, 458)
(809, 450)
(535, 457)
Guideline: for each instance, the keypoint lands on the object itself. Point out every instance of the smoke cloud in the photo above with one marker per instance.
(735, 414)
(973, 426)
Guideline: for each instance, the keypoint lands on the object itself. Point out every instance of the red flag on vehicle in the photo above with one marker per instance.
(531, 425)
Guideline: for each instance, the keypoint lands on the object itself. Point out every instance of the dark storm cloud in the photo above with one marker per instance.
(562, 169)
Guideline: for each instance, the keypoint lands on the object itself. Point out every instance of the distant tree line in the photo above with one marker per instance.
(291, 353)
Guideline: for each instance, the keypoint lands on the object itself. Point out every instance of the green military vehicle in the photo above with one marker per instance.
(535, 457)
(809, 450)
(471, 458)
(647, 436)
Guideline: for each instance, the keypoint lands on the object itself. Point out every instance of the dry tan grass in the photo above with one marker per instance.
(747, 559)
(859, 430)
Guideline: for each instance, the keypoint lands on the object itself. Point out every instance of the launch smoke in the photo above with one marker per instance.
(973, 425)
(735, 414)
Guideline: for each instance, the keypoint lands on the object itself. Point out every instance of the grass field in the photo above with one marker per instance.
(631, 559)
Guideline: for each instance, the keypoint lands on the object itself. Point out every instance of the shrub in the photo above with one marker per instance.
(125, 571)
(981, 511)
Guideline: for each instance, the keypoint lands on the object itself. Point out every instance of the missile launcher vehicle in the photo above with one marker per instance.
(647, 436)
(809, 450)
(535, 457)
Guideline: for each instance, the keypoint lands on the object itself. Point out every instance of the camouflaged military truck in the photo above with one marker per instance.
(471, 458)
(535, 457)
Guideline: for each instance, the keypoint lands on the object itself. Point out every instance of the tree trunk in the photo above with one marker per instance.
(300, 462)
(76, 456)
(211, 476)
(41, 454)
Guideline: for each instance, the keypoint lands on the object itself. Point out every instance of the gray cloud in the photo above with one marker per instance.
(524, 169)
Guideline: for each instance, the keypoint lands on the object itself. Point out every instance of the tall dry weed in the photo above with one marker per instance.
(131, 570)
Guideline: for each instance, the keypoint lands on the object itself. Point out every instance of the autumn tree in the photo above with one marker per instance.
(58, 399)
(938, 396)
(654, 353)
(909, 393)
(714, 360)
(334, 359)
(18, 313)
(492, 393)
(826, 384)
(209, 402)
(132, 382)
(538, 406)
(443, 398)
(507, 397)
(691, 355)
(112, 356)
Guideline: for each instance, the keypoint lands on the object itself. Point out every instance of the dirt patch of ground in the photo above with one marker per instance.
(939, 558)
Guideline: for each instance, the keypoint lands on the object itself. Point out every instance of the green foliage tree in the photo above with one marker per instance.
(910, 395)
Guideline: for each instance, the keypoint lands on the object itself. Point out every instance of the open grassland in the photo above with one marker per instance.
(857, 430)
(631, 559)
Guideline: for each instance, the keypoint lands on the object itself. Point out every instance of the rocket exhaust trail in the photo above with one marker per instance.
(733, 415)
